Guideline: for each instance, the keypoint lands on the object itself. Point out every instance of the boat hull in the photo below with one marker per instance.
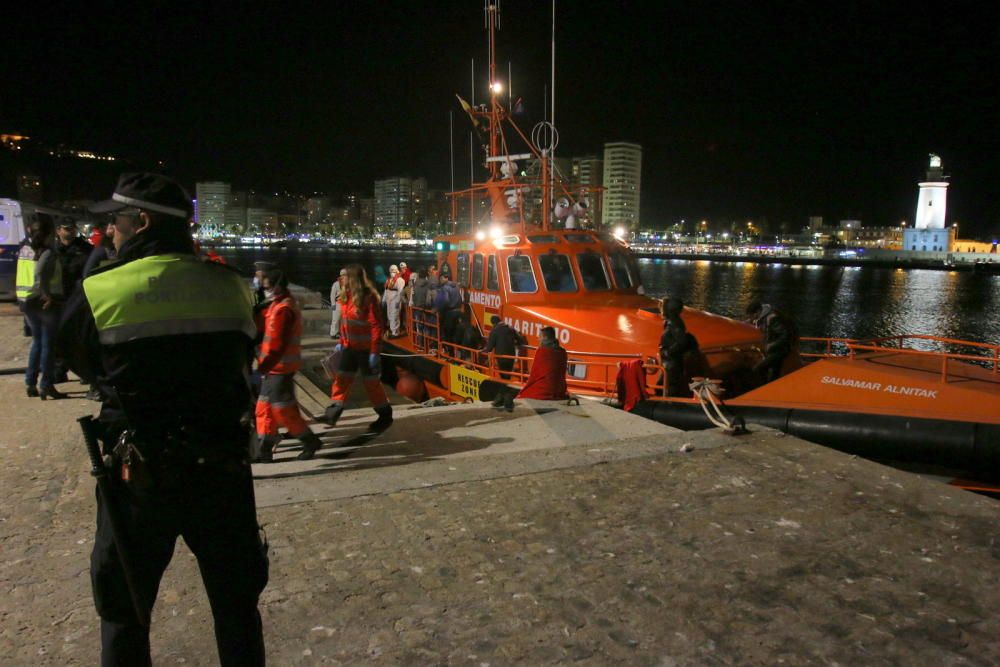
(953, 444)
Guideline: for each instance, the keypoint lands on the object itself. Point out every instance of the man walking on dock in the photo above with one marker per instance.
(280, 358)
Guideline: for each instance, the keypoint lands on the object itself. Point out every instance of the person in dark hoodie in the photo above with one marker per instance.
(781, 340)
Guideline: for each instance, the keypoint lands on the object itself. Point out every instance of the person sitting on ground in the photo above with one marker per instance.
(547, 380)
(781, 340)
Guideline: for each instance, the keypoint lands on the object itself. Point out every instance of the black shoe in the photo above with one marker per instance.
(384, 420)
(50, 392)
(32, 392)
(265, 449)
(497, 402)
(310, 445)
(508, 402)
(94, 395)
(332, 414)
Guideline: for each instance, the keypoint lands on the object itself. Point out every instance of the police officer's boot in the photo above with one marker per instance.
(498, 401)
(310, 445)
(265, 449)
(332, 414)
(384, 420)
(508, 401)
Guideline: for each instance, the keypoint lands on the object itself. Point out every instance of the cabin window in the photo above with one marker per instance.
(445, 269)
(522, 278)
(621, 270)
(462, 269)
(579, 238)
(477, 272)
(543, 238)
(557, 273)
(595, 276)
(492, 275)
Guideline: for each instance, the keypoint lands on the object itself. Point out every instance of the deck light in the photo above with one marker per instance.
(619, 233)
(495, 232)
(480, 235)
(497, 87)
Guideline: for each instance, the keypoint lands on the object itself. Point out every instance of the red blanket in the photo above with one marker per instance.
(631, 383)
(547, 380)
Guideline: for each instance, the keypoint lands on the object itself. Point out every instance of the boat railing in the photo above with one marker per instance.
(829, 347)
(601, 367)
(895, 344)
(902, 344)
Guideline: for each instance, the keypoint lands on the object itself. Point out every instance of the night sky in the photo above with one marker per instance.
(744, 110)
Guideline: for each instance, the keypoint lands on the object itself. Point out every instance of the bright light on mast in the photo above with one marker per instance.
(497, 87)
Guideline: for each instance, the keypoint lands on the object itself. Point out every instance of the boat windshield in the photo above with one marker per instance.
(579, 238)
(462, 277)
(620, 268)
(522, 278)
(492, 279)
(557, 273)
(595, 276)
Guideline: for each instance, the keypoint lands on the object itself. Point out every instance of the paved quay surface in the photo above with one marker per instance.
(583, 535)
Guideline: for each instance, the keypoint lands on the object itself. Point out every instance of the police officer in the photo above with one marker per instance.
(169, 339)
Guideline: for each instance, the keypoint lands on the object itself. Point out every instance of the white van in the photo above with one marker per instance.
(14, 218)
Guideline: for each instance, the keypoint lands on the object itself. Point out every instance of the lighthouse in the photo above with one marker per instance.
(929, 233)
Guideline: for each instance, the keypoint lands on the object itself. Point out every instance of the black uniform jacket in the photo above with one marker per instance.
(195, 383)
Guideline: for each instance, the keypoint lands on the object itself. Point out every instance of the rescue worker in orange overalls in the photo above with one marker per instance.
(361, 331)
(280, 357)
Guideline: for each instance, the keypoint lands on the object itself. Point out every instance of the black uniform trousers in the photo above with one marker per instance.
(212, 507)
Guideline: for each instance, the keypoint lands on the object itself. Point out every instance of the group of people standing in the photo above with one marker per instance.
(682, 358)
(51, 262)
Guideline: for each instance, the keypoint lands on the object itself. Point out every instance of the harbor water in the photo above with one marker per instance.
(826, 301)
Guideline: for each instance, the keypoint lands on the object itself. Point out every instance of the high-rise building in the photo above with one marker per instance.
(418, 200)
(588, 170)
(622, 184)
(213, 197)
(393, 202)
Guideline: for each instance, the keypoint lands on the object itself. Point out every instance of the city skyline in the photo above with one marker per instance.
(765, 111)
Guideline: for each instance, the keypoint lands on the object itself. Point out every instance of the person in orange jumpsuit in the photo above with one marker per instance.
(279, 359)
(361, 330)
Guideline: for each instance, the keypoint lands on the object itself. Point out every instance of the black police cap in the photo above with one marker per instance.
(148, 192)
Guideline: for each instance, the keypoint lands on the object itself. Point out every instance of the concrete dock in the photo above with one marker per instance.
(554, 534)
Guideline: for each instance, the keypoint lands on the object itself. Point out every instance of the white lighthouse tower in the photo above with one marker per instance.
(929, 233)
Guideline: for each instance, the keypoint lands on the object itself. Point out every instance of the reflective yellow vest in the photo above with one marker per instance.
(24, 282)
(167, 295)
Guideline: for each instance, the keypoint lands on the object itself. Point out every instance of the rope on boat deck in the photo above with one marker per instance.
(707, 390)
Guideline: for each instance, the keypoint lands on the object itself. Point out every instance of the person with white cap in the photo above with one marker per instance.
(335, 290)
(393, 297)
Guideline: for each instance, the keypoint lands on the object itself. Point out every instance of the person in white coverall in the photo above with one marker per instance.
(393, 298)
(335, 290)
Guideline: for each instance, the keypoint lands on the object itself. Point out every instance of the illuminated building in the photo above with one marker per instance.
(622, 184)
(213, 198)
(929, 232)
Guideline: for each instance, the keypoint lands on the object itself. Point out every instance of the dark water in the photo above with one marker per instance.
(843, 302)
